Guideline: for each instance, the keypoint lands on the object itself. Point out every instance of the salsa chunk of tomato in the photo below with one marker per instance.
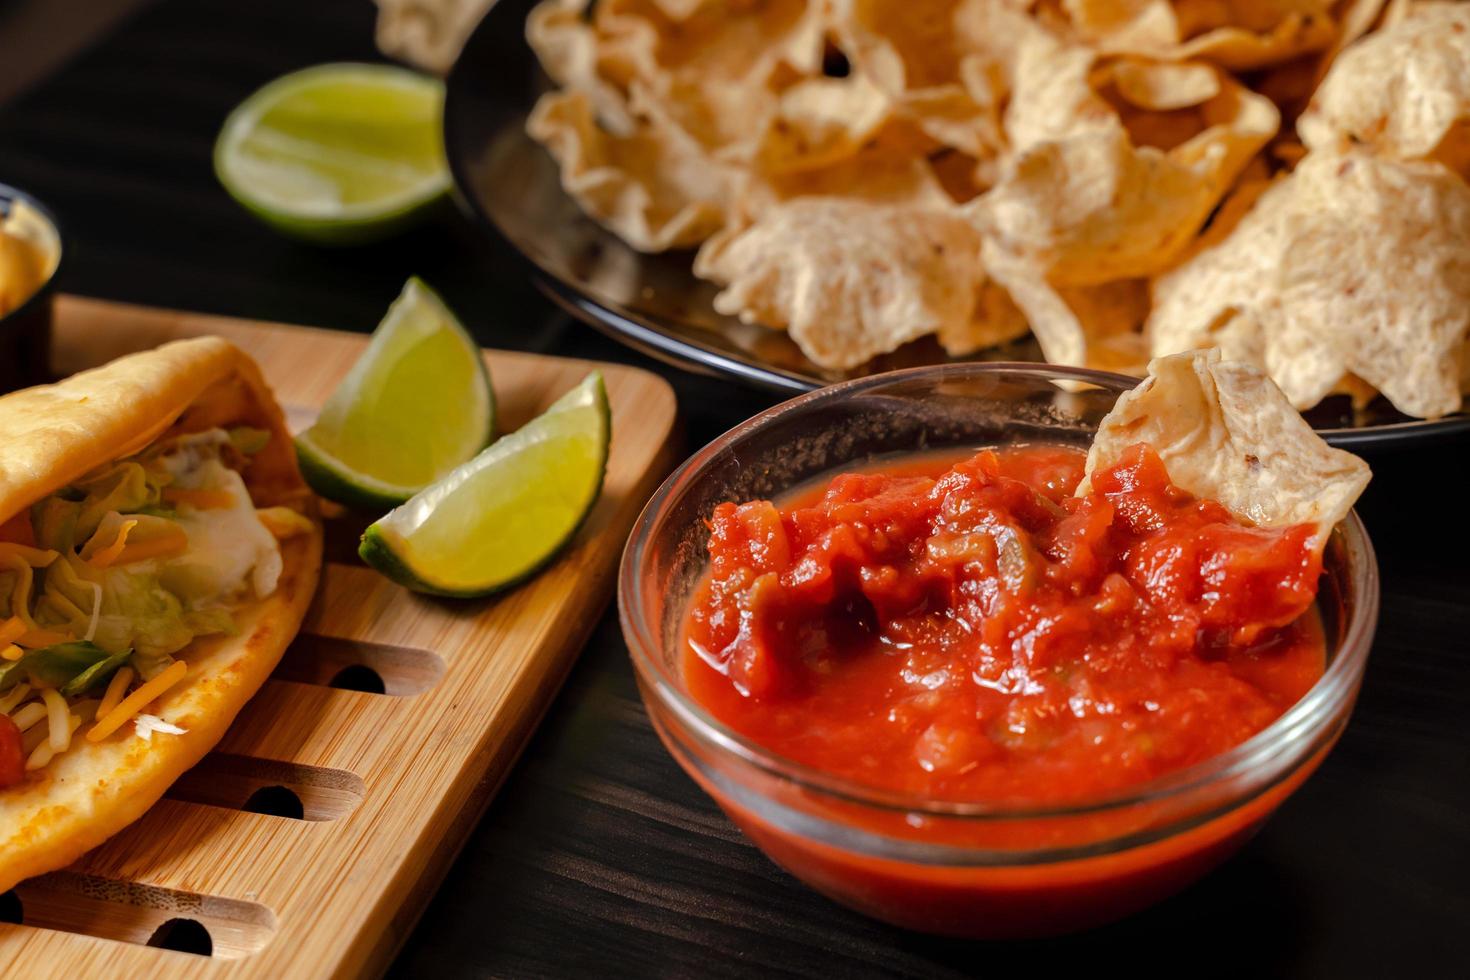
(968, 629)
(12, 754)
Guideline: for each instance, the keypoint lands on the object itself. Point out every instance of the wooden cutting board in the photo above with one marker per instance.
(308, 843)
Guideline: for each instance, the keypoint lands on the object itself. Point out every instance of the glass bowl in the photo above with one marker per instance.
(25, 331)
(962, 869)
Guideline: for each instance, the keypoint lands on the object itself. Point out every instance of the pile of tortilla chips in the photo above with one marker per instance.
(1282, 179)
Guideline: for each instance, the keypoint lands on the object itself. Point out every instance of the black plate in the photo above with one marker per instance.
(653, 302)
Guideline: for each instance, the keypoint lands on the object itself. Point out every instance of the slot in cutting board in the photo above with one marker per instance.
(361, 798)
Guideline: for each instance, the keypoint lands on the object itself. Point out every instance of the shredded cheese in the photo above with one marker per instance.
(16, 696)
(29, 716)
(158, 547)
(46, 751)
(199, 499)
(137, 701)
(37, 638)
(58, 717)
(283, 522)
(12, 629)
(103, 557)
(116, 688)
(145, 725)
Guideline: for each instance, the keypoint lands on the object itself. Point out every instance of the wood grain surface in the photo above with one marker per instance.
(391, 782)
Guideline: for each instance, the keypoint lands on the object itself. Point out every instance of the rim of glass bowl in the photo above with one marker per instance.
(1294, 729)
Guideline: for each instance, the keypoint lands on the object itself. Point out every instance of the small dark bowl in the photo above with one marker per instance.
(25, 332)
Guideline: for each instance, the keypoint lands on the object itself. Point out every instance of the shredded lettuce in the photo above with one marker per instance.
(66, 597)
(149, 664)
(153, 607)
(122, 487)
(138, 612)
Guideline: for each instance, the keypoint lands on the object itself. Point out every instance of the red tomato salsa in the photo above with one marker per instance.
(12, 756)
(970, 631)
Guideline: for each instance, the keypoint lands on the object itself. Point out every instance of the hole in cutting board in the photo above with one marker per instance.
(329, 661)
(183, 936)
(275, 801)
(146, 915)
(11, 909)
(356, 677)
(281, 789)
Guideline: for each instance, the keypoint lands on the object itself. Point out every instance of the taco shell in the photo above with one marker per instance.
(51, 436)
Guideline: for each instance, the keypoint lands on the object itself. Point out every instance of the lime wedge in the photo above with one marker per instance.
(416, 404)
(501, 516)
(337, 154)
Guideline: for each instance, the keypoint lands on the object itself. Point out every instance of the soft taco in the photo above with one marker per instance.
(158, 550)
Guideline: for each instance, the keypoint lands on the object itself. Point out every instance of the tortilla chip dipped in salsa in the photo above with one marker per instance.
(1031, 624)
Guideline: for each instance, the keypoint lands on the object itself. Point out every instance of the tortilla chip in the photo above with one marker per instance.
(1404, 90)
(715, 74)
(1094, 208)
(944, 76)
(652, 188)
(1302, 291)
(996, 320)
(679, 10)
(848, 279)
(888, 169)
(1242, 50)
(1088, 143)
(821, 121)
(1354, 19)
(1217, 298)
(1084, 203)
(1134, 24)
(1087, 326)
(1052, 97)
(1226, 433)
(1235, 34)
(992, 37)
(721, 39)
(1161, 104)
(428, 36)
(1163, 86)
(569, 51)
(905, 47)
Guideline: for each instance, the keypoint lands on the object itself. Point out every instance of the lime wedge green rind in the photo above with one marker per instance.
(499, 518)
(417, 403)
(339, 153)
(323, 477)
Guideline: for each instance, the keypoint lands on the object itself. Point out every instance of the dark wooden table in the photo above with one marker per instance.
(599, 857)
